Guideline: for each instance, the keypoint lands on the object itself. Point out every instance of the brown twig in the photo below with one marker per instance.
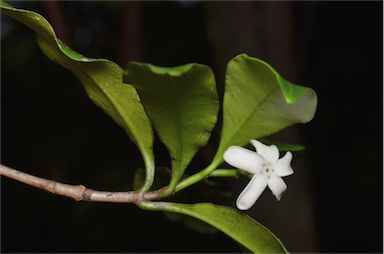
(79, 192)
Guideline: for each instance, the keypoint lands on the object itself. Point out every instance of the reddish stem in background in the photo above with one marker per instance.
(56, 18)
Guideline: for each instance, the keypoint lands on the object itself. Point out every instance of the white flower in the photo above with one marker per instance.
(266, 167)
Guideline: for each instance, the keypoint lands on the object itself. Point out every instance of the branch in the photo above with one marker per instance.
(78, 192)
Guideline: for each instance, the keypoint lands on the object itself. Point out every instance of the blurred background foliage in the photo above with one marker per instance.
(51, 129)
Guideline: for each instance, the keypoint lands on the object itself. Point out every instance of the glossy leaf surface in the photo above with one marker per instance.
(182, 104)
(102, 80)
(238, 226)
(259, 102)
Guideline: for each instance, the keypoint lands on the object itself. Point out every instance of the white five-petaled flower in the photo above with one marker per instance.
(266, 167)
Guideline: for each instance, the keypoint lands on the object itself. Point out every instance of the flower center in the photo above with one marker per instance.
(267, 168)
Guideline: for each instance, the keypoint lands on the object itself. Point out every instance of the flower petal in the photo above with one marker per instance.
(252, 192)
(283, 166)
(270, 153)
(244, 159)
(276, 185)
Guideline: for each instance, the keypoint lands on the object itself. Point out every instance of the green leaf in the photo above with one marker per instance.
(284, 146)
(242, 228)
(259, 102)
(102, 80)
(191, 223)
(182, 104)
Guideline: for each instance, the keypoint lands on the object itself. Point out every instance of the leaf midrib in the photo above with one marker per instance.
(116, 107)
(179, 124)
(249, 116)
(79, 64)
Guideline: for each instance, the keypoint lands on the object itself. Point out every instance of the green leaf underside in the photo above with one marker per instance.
(191, 222)
(102, 80)
(182, 104)
(259, 102)
(238, 226)
(284, 146)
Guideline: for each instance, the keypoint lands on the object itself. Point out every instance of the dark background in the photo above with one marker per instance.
(51, 129)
